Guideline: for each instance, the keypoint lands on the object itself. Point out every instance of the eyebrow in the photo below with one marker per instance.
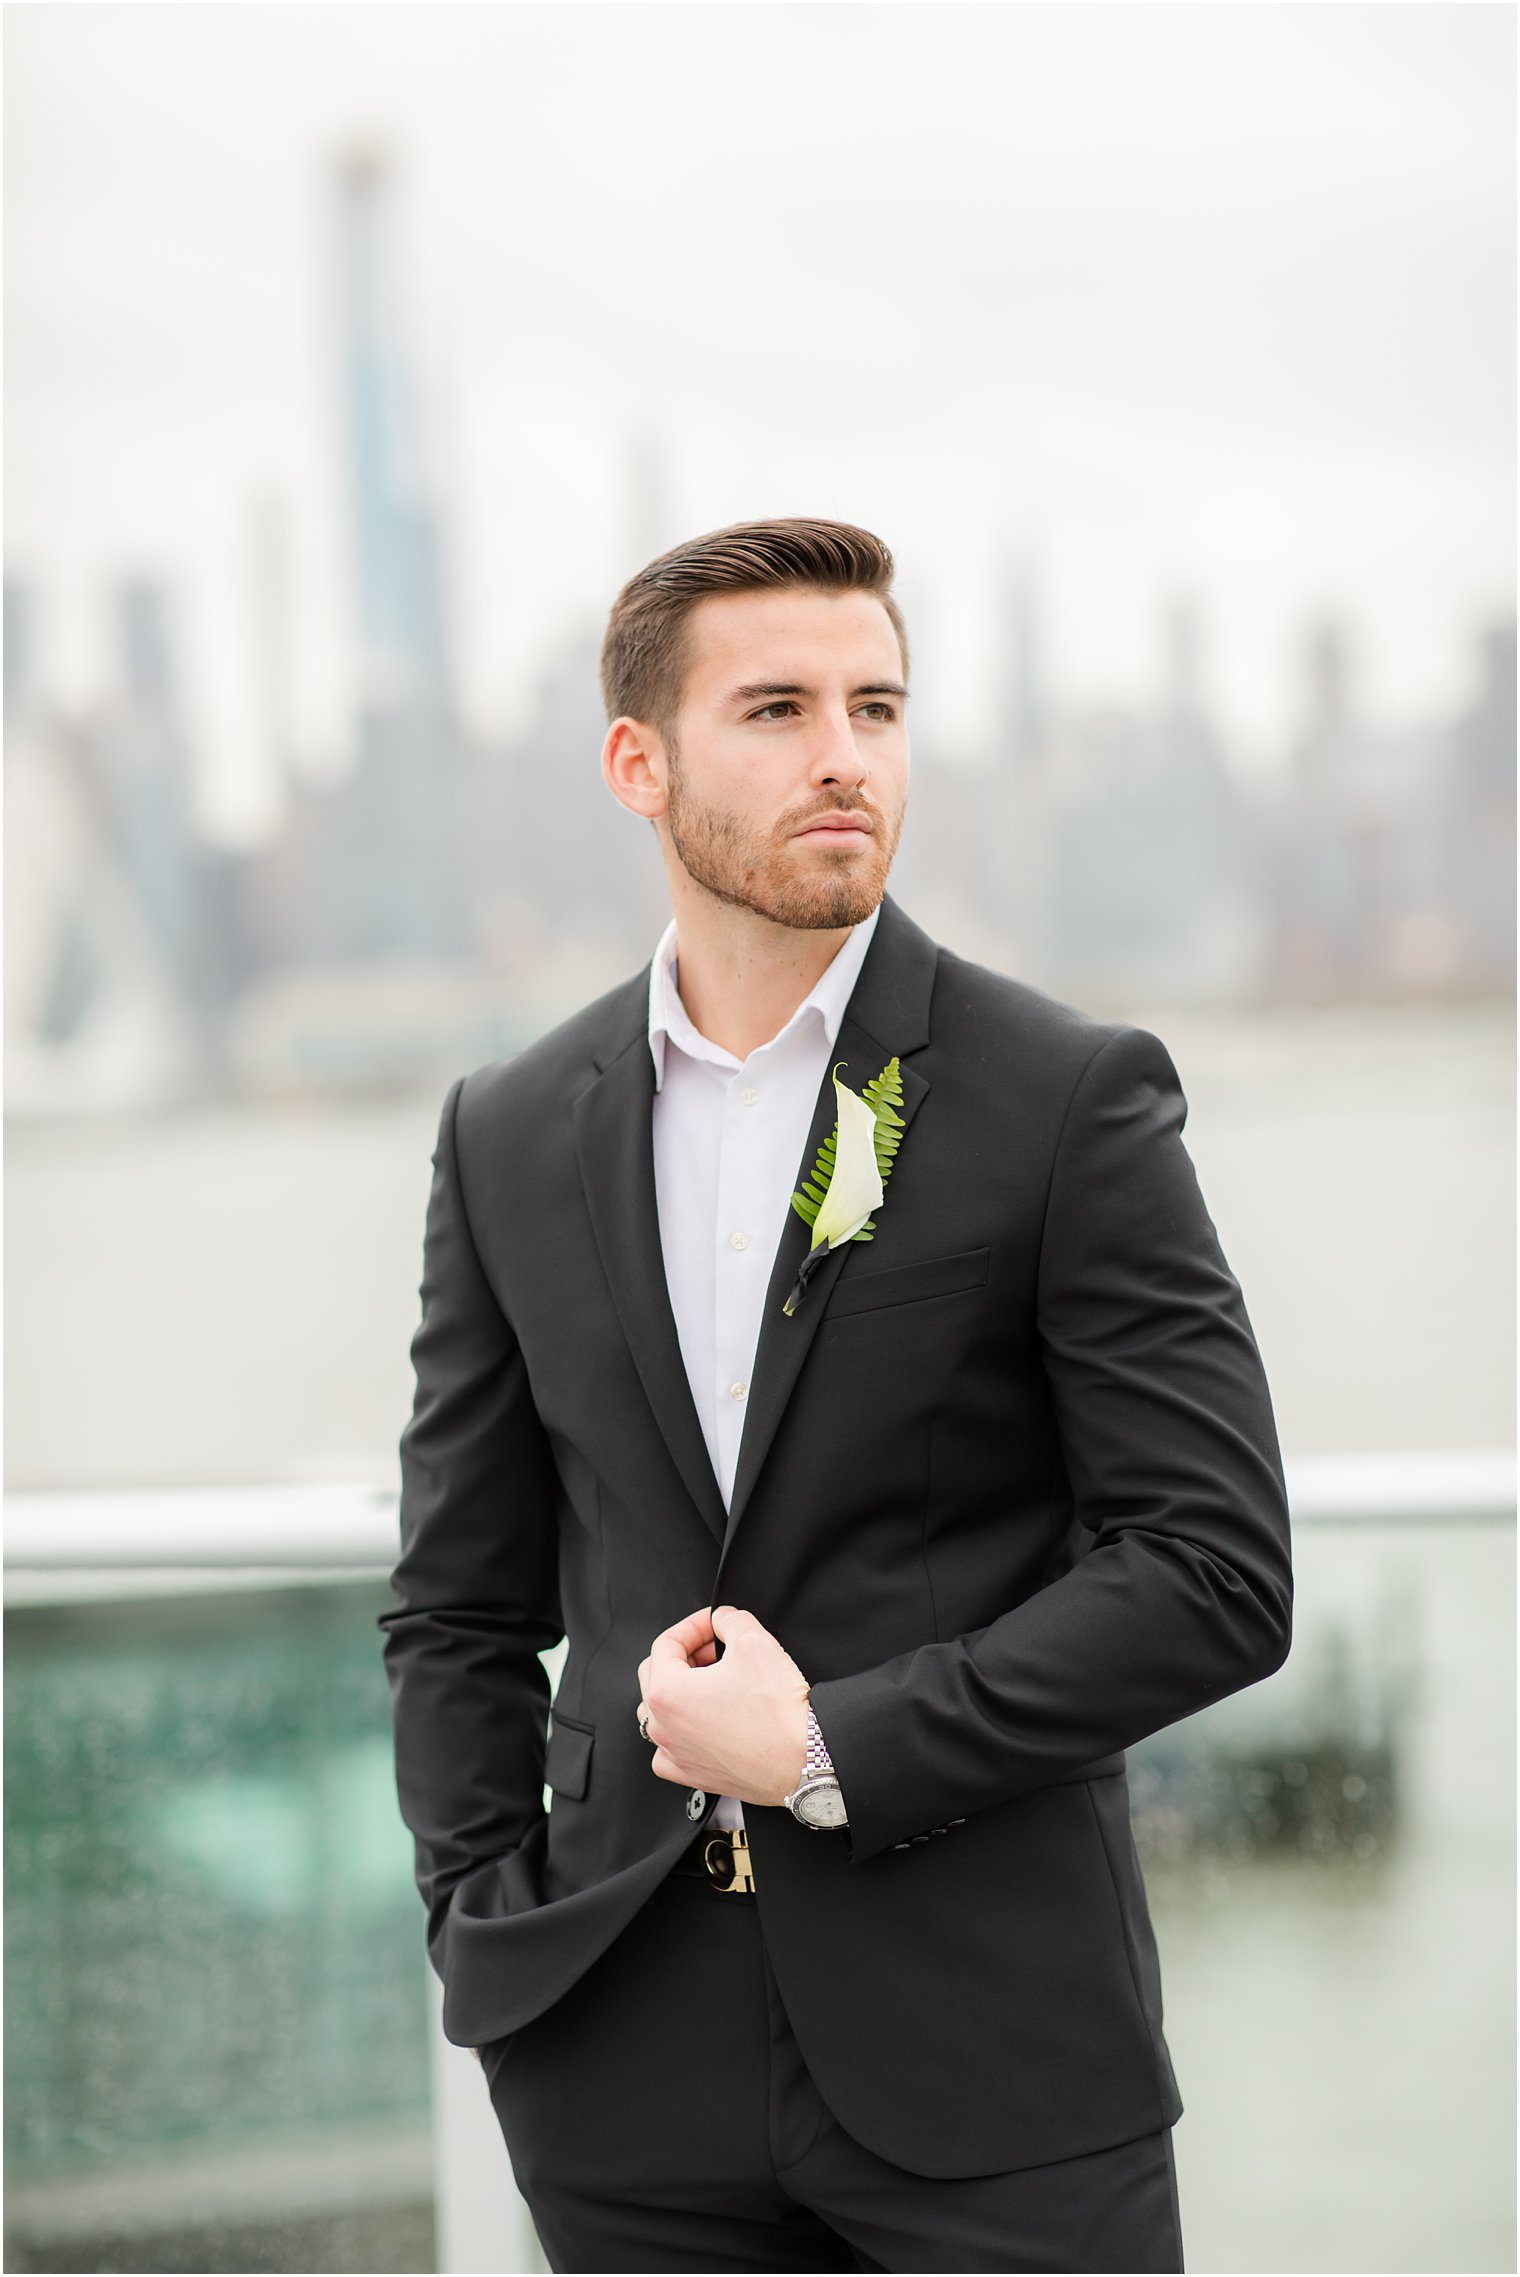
(757, 688)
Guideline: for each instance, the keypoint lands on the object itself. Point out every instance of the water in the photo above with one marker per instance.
(222, 1298)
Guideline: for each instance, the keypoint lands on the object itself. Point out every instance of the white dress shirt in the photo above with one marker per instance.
(728, 1139)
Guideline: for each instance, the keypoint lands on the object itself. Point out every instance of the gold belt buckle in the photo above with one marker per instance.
(726, 1856)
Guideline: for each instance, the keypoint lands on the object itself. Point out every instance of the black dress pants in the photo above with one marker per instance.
(659, 2117)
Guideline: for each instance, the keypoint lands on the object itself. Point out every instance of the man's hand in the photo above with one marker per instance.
(735, 1726)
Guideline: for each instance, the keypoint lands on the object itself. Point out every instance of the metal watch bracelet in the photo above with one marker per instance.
(819, 1763)
(819, 1778)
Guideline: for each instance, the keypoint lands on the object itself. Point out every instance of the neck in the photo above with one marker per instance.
(741, 975)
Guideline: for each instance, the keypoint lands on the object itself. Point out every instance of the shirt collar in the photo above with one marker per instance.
(827, 998)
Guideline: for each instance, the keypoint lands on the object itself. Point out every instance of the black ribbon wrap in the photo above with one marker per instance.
(810, 1265)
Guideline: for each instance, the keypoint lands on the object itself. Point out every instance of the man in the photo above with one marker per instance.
(873, 1550)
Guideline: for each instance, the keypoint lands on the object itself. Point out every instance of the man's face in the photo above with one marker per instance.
(793, 712)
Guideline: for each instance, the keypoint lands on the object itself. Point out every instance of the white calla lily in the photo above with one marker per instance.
(848, 1180)
(855, 1189)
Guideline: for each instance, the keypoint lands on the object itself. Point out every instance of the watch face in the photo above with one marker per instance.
(823, 1806)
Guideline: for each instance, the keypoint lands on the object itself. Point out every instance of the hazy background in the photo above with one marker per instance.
(354, 357)
(1144, 299)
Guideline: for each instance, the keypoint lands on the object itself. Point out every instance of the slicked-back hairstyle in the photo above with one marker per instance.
(645, 652)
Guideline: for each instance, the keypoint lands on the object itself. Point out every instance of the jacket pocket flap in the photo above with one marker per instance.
(903, 1284)
(567, 1763)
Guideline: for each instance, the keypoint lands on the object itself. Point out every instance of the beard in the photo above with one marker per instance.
(811, 888)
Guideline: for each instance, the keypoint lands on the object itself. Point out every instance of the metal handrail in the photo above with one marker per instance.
(344, 1527)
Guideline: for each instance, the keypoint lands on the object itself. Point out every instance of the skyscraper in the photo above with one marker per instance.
(401, 618)
(393, 857)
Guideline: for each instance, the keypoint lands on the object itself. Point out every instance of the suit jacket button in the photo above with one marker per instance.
(696, 1803)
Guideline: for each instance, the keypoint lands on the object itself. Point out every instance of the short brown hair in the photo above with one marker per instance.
(645, 651)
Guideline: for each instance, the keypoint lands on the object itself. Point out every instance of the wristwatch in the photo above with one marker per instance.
(816, 1799)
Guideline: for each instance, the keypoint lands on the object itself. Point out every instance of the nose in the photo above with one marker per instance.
(838, 761)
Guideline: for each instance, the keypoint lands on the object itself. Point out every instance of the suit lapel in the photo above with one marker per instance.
(786, 1339)
(614, 1139)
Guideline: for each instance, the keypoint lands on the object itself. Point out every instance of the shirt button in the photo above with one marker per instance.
(738, 1241)
(749, 1095)
(737, 1391)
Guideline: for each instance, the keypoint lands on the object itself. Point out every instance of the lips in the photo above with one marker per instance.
(837, 826)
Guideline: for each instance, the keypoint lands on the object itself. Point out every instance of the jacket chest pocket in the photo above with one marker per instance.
(909, 1284)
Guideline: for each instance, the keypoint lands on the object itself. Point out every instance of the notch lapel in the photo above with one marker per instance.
(614, 1141)
(887, 1015)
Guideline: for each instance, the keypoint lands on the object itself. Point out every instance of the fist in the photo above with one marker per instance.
(731, 1726)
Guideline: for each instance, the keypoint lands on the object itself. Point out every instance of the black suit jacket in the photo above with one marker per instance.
(1009, 1492)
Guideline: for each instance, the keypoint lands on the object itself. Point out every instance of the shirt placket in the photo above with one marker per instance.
(748, 1111)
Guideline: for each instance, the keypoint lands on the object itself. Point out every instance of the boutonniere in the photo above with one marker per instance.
(848, 1180)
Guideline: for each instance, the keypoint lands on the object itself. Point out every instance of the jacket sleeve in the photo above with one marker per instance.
(476, 1588)
(1184, 1593)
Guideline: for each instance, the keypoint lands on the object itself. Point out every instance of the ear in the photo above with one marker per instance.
(634, 767)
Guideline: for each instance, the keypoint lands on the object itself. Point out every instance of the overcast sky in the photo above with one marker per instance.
(1157, 299)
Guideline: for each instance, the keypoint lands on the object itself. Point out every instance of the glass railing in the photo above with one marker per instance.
(223, 2047)
(216, 2027)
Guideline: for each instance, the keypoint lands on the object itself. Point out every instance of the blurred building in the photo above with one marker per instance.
(1140, 853)
(1393, 867)
(1477, 876)
(117, 976)
(368, 867)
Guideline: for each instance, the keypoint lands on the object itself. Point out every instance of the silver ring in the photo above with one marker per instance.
(644, 1725)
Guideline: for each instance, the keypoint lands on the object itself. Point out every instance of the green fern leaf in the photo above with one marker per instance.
(883, 1095)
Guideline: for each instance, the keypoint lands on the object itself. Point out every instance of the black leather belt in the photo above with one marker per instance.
(719, 1856)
